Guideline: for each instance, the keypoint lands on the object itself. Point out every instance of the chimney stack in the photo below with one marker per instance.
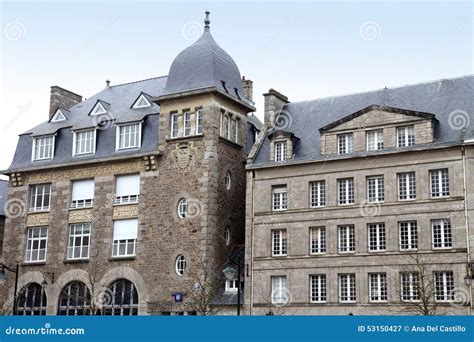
(62, 98)
(274, 102)
(107, 83)
(247, 86)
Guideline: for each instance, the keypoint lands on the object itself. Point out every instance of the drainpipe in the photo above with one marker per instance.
(466, 218)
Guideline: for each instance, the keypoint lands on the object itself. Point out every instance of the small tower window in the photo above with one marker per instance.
(182, 208)
(228, 180)
(180, 264)
(227, 236)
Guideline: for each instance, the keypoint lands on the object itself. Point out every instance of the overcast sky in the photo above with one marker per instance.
(305, 49)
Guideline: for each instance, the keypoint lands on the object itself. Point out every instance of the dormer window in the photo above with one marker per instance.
(141, 102)
(43, 148)
(405, 136)
(58, 116)
(84, 142)
(129, 136)
(375, 140)
(281, 149)
(98, 109)
(345, 143)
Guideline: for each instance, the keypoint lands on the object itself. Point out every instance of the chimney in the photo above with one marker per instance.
(247, 86)
(62, 98)
(274, 102)
(107, 83)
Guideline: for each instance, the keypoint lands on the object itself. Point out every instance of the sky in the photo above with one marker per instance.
(304, 49)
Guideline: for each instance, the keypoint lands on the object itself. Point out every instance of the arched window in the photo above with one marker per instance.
(227, 235)
(182, 208)
(180, 265)
(228, 180)
(75, 299)
(31, 300)
(121, 299)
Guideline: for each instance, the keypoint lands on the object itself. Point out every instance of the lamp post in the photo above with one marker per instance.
(3, 278)
(230, 274)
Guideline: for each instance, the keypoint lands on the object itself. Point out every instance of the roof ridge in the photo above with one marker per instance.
(382, 89)
(146, 79)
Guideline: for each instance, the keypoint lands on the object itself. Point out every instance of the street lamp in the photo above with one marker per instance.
(3, 279)
(230, 273)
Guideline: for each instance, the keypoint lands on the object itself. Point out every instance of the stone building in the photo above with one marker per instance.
(3, 200)
(133, 198)
(361, 204)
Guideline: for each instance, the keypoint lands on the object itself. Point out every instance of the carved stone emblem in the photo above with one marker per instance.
(183, 155)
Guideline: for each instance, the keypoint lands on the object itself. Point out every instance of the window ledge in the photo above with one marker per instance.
(38, 212)
(189, 137)
(230, 142)
(76, 261)
(122, 258)
(81, 208)
(122, 204)
(33, 263)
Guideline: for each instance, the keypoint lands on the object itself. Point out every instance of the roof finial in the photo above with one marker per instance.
(207, 22)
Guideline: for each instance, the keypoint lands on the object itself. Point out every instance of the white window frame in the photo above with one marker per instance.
(346, 239)
(345, 143)
(444, 286)
(187, 124)
(378, 291)
(317, 240)
(31, 240)
(411, 228)
(317, 194)
(75, 141)
(409, 283)
(281, 150)
(228, 180)
(441, 234)
(140, 99)
(119, 136)
(98, 109)
(130, 198)
(129, 244)
(174, 123)
(182, 208)
(279, 199)
(375, 189)
(34, 195)
(49, 147)
(406, 184)
(375, 140)
(317, 288)
(231, 285)
(405, 136)
(76, 241)
(279, 242)
(58, 116)
(376, 237)
(439, 183)
(180, 265)
(279, 290)
(347, 288)
(199, 121)
(82, 203)
(346, 187)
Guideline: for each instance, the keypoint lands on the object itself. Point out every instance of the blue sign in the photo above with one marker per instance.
(178, 297)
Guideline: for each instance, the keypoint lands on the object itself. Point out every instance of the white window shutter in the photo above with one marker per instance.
(125, 229)
(128, 185)
(83, 189)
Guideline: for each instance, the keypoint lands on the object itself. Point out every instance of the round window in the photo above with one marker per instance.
(182, 208)
(227, 236)
(228, 180)
(180, 265)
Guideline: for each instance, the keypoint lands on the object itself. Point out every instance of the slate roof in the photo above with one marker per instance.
(447, 99)
(3, 196)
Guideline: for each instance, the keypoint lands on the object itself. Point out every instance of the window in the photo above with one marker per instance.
(317, 194)
(280, 151)
(410, 286)
(187, 124)
(375, 189)
(129, 136)
(441, 232)
(98, 109)
(346, 239)
(346, 191)
(228, 180)
(317, 288)
(127, 189)
(233, 125)
(345, 143)
(280, 198)
(408, 235)
(406, 186)
(82, 193)
(31, 300)
(347, 288)
(125, 237)
(58, 116)
(377, 237)
(317, 240)
(141, 102)
(279, 242)
(121, 299)
(174, 125)
(75, 300)
(444, 286)
(405, 136)
(79, 241)
(439, 183)
(182, 208)
(180, 264)
(36, 244)
(279, 290)
(378, 287)
(84, 142)
(227, 236)
(231, 285)
(226, 127)
(40, 197)
(375, 140)
(43, 148)
(199, 121)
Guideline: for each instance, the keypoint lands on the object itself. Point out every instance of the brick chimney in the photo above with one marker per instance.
(247, 86)
(274, 102)
(62, 98)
